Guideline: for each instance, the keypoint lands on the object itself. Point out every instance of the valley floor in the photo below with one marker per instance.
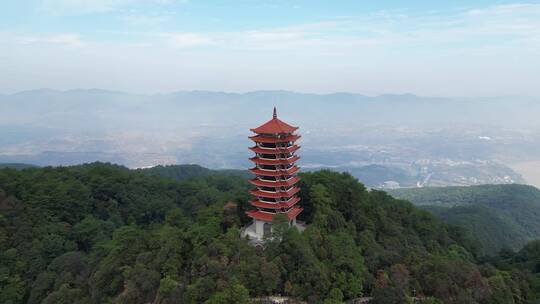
(530, 170)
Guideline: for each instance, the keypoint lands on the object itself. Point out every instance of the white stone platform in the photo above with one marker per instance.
(250, 232)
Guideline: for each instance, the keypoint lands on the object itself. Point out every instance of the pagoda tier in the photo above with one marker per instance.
(277, 205)
(275, 171)
(279, 183)
(275, 194)
(269, 216)
(280, 150)
(277, 161)
(279, 172)
(274, 140)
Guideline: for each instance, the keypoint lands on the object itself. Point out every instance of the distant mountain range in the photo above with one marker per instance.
(85, 108)
(386, 141)
(497, 215)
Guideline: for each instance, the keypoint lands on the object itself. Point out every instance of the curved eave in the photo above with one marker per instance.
(268, 217)
(262, 139)
(278, 194)
(274, 130)
(260, 150)
(280, 205)
(281, 172)
(261, 183)
(262, 161)
(274, 126)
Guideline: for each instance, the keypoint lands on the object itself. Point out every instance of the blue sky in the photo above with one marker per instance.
(437, 48)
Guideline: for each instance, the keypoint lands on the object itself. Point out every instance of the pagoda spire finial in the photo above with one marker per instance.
(275, 113)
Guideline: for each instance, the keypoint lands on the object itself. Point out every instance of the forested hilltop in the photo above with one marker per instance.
(101, 233)
(497, 216)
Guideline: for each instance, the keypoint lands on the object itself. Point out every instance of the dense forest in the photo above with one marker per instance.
(182, 172)
(101, 233)
(15, 166)
(497, 216)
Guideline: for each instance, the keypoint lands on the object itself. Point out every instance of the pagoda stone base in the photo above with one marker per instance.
(258, 231)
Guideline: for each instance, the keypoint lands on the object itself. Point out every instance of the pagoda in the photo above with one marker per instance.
(275, 176)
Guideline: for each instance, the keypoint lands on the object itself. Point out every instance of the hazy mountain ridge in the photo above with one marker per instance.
(292, 104)
(497, 215)
(339, 130)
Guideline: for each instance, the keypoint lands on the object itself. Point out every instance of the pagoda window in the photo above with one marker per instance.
(267, 145)
(268, 156)
(267, 200)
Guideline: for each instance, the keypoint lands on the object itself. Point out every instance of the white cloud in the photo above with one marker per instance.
(505, 9)
(488, 51)
(71, 40)
(145, 20)
(187, 40)
(491, 26)
(81, 7)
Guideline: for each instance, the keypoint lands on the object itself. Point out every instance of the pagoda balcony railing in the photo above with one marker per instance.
(275, 194)
(274, 172)
(276, 191)
(275, 205)
(276, 169)
(275, 211)
(288, 140)
(276, 202)
(288, 201)
(277, 158)
(274, 162)
(288, 197)
(274, 159)
(274, 150)
(273, 183)
(275, 147)
(268, 202)
(261, 178)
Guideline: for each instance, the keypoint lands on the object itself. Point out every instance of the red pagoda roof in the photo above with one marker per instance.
(265, 161)
(279, 183)
(266, 216)
(280, 172)
(274, 126)
(261, 204)
(262, 139)
(278, 194)
(275, 150)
